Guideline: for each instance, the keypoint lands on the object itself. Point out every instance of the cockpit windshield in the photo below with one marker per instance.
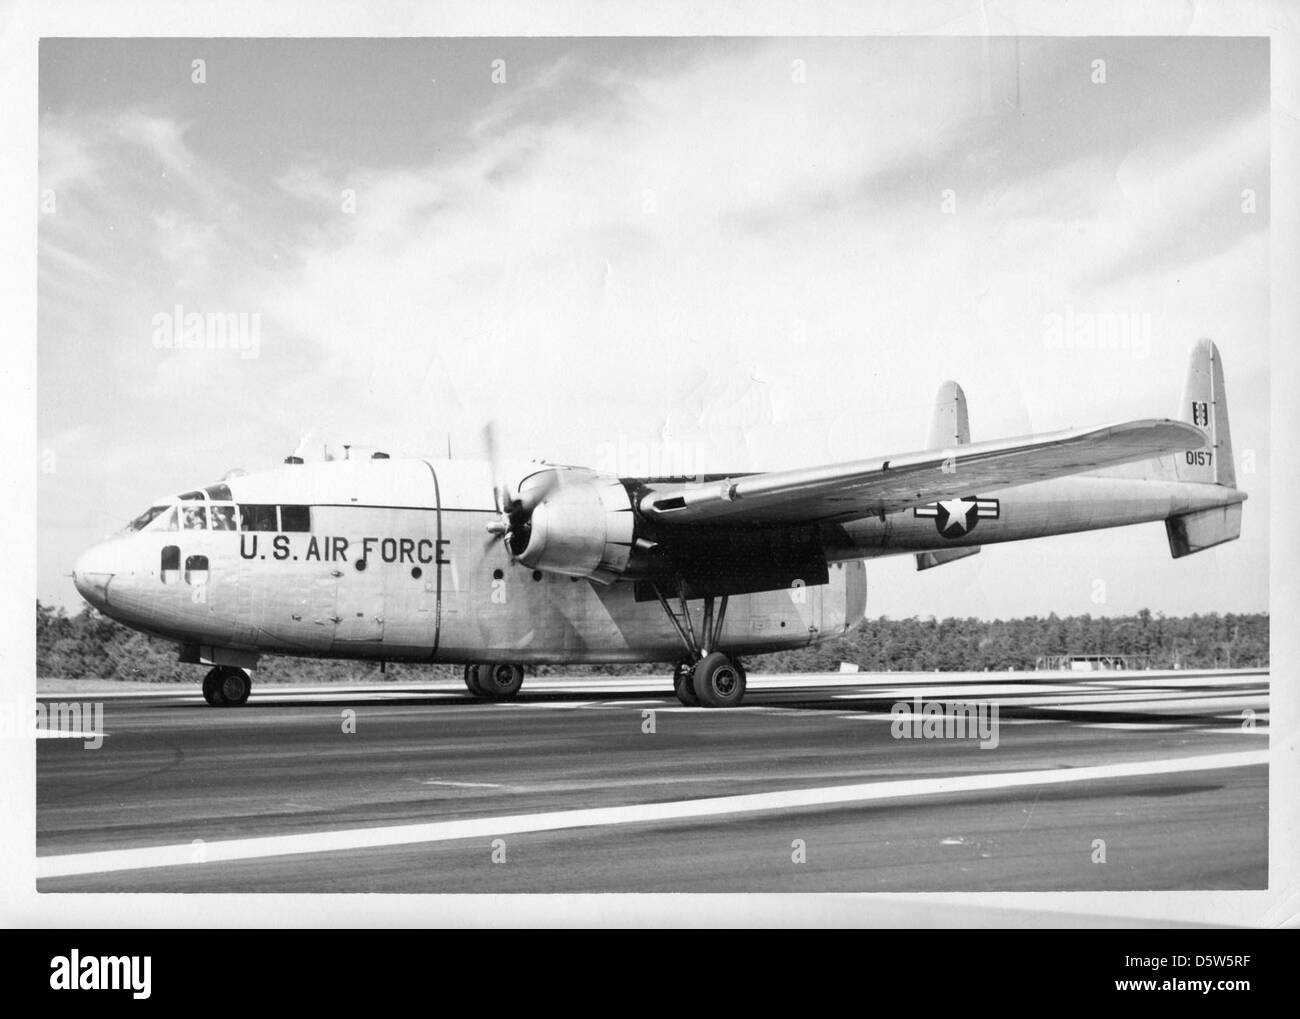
(155, 518)
(193, 512)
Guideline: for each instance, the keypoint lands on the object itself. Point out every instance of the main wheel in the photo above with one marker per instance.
(234, 687)
(683, 685)
(212, 688)
(500, 682)
(471, 680)
(718, 682)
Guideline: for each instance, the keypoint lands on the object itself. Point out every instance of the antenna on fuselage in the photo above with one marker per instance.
(449, 445)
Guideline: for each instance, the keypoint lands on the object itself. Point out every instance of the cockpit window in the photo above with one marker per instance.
(218, 493)
(147, 517)
(190, 496)
(223, 518)
(195, 518)
(164, 521)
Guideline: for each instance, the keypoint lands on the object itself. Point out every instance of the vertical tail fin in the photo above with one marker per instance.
(1205, 405)
(949, 428)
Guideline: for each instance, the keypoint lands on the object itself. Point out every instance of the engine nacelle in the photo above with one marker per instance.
(584, 527)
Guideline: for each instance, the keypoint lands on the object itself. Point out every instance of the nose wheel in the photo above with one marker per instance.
(227, 687)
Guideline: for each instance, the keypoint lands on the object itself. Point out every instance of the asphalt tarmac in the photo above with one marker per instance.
(1107, 781)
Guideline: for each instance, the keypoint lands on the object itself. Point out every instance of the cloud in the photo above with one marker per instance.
(65, 158)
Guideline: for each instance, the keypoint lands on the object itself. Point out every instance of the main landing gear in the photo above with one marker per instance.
(707, 678)
(227, 687)
(494, 682)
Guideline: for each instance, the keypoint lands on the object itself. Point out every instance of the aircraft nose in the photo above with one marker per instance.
(94, 572)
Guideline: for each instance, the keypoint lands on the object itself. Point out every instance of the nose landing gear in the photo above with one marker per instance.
(227, 687)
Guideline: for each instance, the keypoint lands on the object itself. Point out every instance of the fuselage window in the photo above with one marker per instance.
(196, 569)
(223, 518)
(257, 518)
(295, 518)
(170, 564)
(196, 518)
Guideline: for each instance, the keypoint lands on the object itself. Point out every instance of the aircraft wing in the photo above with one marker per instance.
(886, 484)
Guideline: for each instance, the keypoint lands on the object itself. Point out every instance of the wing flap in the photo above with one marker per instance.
(887, 484)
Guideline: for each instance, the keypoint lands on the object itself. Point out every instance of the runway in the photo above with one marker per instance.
(1100, 781)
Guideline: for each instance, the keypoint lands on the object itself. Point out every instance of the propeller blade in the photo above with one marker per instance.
(491, 448)
(497, 529)
(535, 488)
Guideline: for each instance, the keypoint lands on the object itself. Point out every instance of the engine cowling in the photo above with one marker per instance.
(583, 527)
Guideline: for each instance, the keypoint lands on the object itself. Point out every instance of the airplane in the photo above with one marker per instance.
(443, 561)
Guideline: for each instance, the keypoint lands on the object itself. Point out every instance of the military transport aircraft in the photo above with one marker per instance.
(499, 568)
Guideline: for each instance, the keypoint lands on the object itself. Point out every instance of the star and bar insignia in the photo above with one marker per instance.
(955, 517)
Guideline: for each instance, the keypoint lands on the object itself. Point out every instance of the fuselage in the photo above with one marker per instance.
(393, 560)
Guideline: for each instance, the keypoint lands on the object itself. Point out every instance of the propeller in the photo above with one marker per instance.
(514, 507)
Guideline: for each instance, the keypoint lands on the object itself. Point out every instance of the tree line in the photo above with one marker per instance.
(90, 644)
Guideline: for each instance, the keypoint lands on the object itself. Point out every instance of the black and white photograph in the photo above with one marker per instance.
(569, 467)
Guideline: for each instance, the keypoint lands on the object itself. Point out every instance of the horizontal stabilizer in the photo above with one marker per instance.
(929, 560)
(1195, 532)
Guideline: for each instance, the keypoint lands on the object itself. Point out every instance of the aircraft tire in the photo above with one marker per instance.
(500, 682)
(684, 685)
(471, 680)
(212, 688)
(233, 687)
(718, 682)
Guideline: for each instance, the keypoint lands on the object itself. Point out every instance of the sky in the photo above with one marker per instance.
(653, 256)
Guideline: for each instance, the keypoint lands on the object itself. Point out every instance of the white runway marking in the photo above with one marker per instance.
(479, 828)
(1259, 730)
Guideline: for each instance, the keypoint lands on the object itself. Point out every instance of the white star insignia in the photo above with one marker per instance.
(958, 511)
